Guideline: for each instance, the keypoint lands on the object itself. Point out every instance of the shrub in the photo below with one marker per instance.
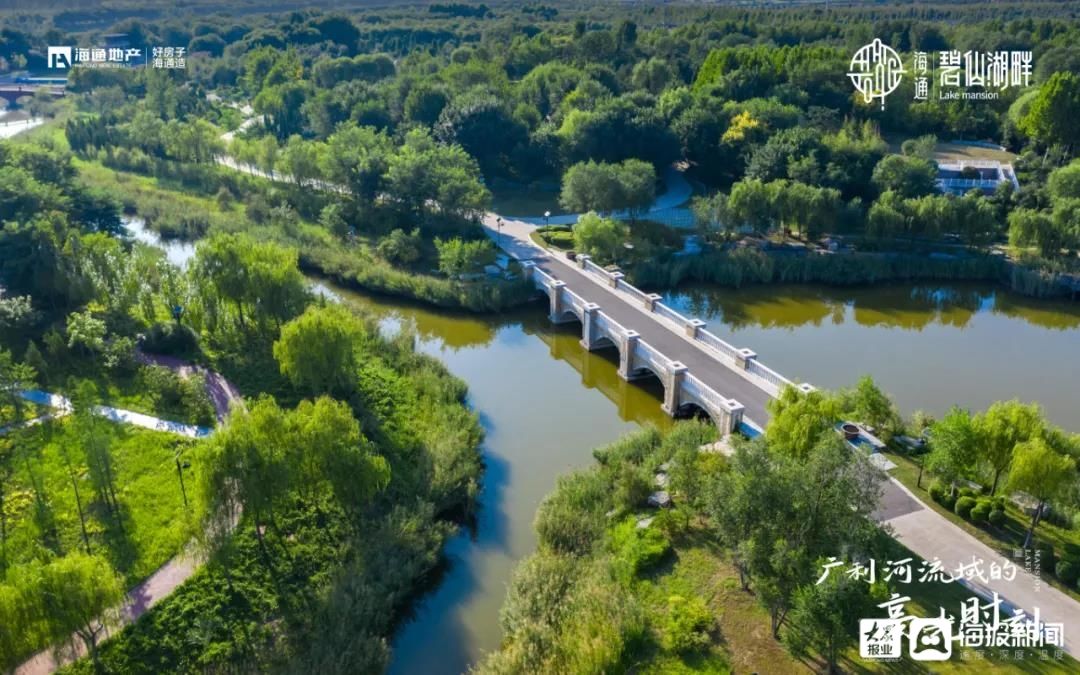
(963, 506)
(570, 519)
(632, 486)
(400, 248)
(948, 500)
(981, 511)
(968, 492)
(996, 517)
(938, 490)
(1046, 555)
(688, 624)
(636, 549)
(170, 338)
(1067, 571)
(998, 503)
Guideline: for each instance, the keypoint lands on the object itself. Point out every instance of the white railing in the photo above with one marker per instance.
(768, 374)
(651, 355)
(716, 343)
(638, 294)
(670, 314)
(592, 267)
(706, 393)
(574, 300)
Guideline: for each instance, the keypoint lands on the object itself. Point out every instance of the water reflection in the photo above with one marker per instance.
(929, 345)
(906, 307)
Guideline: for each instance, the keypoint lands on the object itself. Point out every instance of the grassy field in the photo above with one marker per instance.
(41, 511)
(1004, 539)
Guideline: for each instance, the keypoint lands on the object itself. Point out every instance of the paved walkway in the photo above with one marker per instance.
(118, 415)
(914, 524)
(176, 571)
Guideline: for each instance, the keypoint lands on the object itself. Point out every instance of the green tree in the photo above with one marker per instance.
(317, 350)
(357, 157)
(1051, 118)
(1003, 426)
(86, 332)
(256, 277)
(14, 378)
(825, 617)
(867, 403)
(457, 256)
(1043, 473)
(909, 177)
(800, 421)
(81, 591)
(401, 248)
(750, 205)
(953, 446)
(1028, 227)
(601, 238)
(598, 186)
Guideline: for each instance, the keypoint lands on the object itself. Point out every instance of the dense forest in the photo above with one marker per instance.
(584, 107)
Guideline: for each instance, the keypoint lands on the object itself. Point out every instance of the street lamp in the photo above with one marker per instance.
(180, 466)
(498, 224)
(547, 214)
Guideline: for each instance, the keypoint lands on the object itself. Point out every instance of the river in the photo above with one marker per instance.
(545, 403)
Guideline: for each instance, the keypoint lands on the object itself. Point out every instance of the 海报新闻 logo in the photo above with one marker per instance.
(876, 71)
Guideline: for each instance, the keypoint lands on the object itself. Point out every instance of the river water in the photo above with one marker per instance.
(546, 403)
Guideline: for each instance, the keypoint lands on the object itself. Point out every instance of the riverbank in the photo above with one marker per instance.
(743, 267)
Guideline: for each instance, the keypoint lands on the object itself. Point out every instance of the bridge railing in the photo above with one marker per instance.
(640, 295)
(651, 355)
(708, 394)
(670, 314)
(765, 377)
(716, 343)
(766, 373)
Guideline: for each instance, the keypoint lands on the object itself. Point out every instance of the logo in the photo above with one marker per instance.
(876, 71)
(930, 640)
(59, 57)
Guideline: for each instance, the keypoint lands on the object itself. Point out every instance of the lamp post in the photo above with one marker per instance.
(498, 225)
(547, 215)
(180, 466)
(177, 312)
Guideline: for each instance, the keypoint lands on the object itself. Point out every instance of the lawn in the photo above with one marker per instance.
(41, 511)
(1004, 539)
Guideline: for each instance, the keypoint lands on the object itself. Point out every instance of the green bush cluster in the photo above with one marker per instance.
(963, 506)
(688, 624)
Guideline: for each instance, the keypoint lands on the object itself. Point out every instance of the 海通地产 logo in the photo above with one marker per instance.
(876, 71)
(59, 57)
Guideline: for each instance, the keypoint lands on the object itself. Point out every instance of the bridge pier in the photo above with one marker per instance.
(590, 334)
(558, 310)
(627, 370)
(673, 382)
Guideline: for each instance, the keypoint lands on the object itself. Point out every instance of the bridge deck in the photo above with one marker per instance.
(672, 344)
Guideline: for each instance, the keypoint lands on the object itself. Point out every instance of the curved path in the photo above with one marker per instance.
(177, 570)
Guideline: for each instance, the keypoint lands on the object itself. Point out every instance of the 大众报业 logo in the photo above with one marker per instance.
(876, 71)
(59, 57)
(927, 639)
